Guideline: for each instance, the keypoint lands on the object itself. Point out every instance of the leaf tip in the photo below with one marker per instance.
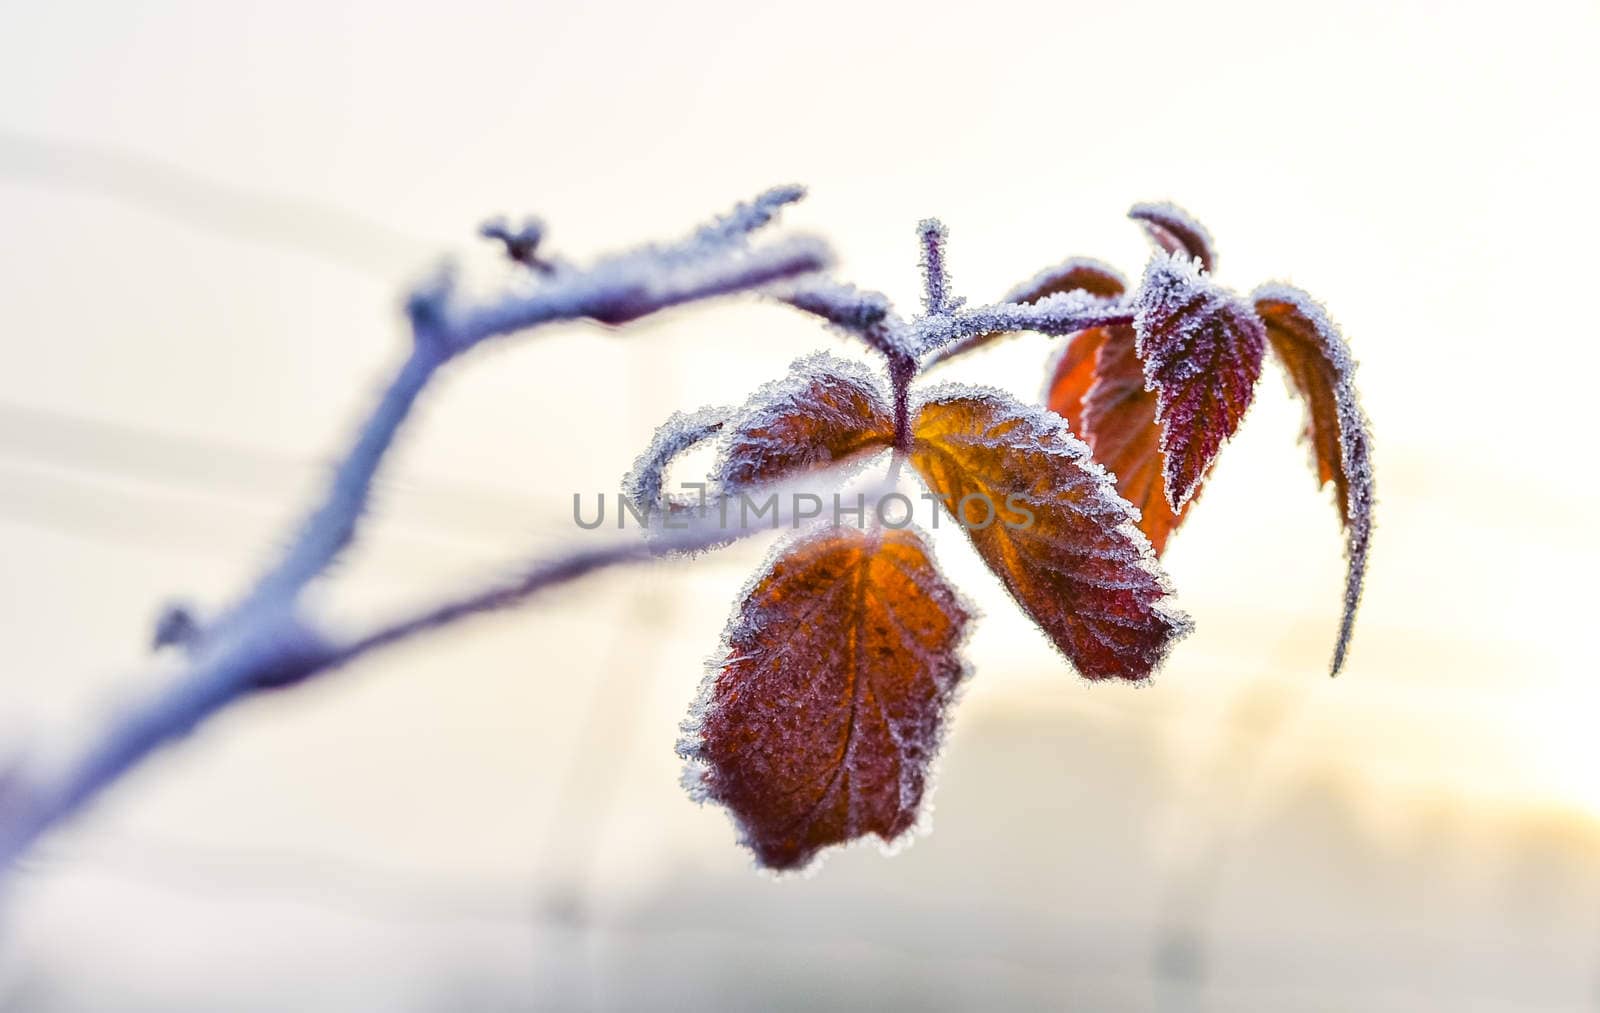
(1176, 231)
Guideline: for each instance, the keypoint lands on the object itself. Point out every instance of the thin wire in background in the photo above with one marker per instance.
(288, 223)
(73, 464)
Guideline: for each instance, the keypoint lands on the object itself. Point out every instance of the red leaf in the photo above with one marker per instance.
(1074, 370)
(824, 410)
(1201, 349)
(821, 723)
(1176, 231)
(1080, 274)
(1050, 525)
(1321, 369)
(1098, 387)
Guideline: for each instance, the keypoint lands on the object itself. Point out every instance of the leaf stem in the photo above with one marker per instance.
(902, 369)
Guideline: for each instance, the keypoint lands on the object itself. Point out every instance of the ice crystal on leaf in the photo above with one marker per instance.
(1322, 371)
(786, 736)
(819, 720)
(1051, 526)
(1176, 231)
(645, 484)
(1097, 385)
(824, 410)
(823, 717)
(1201, 351)
(1156, 400)
(1079, 274)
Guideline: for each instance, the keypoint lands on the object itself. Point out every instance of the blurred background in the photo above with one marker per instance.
(210, 213)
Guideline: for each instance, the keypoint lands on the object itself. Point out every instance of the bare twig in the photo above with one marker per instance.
(864, 314)
(935, 274)
(283, 648)
(266, 641)
(944, 337)
(622, 287)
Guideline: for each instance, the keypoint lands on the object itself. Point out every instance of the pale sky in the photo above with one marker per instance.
(210, 215)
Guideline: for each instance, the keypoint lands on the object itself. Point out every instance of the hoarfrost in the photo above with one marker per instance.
(1073, 274)
(1176, 231)
(1082, 570)
(823, 410)
(1201, 348)
(829, 734)
(1321, 370)
(683, 430)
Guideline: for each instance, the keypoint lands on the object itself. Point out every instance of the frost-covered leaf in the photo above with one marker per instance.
(644, 485)
(1201, 349)
(1322, 370)
(1048, 521)
(1097, 385)
(826, 711)
(824, 410)
(1079, 274)
(1176, 231)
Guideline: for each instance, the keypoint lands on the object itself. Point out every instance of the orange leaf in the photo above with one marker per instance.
(1321, 369)
(1072, 375)
(824, 410)
(1201, 350)
(1051, 526)
(1097, 385)
(821, 723)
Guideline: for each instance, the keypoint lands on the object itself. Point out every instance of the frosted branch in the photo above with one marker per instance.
(283, 649)
(935, 274)
(616, 289)
(699, 532)
(263, 640)
(864, 314)
(332, 525)
(940, 338)
(748, 217)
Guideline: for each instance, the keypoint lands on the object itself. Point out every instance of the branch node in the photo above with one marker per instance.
(427, 308)
(521, 244)
(177, 625)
